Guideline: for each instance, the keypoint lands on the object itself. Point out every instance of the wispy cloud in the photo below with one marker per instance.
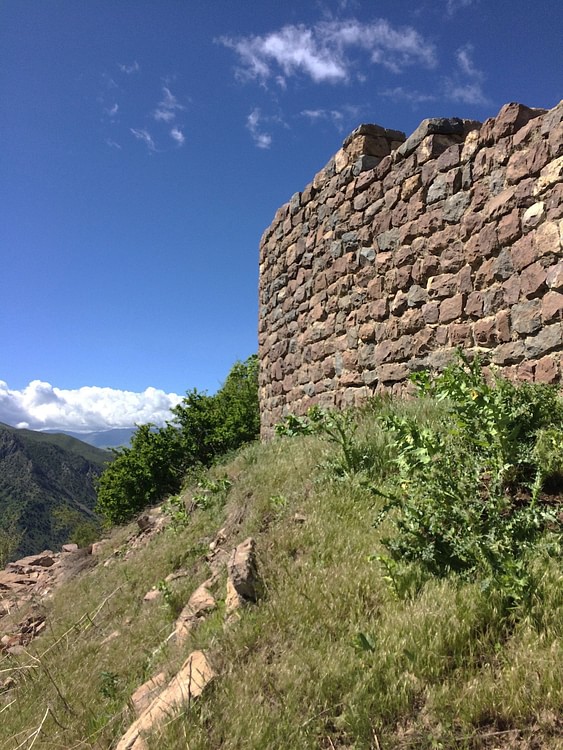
(113, 144)
(452, 6)
(466, 83)
(143, 135)
(337, 117)
(327, 52)
(130, 68)
(412, 96)
(112, 110)
(177, 135)
(254, 125)
(42, 406)
(167, 107)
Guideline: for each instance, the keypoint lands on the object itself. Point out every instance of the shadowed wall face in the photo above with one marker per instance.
(401, 250)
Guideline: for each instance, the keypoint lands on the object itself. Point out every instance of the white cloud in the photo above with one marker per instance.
(112, 111)
(254, 125)
(467, 93)
(167, 107)
(42, 406)
(113, 144)
(465, 63)
(177, 135)
(133, 67)
(145, 136)
(322, 52)
(466, 84)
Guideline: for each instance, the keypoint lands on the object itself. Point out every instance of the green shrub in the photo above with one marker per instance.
(203, 428)
(465, 500)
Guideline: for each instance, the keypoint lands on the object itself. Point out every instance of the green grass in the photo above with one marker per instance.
(328, 658)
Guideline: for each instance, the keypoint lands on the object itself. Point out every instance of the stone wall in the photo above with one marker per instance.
(401, 250)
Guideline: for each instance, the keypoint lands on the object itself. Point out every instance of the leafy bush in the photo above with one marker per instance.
(203, 428)
(468, 489)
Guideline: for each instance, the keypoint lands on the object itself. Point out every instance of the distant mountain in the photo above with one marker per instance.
(116, 438)
(46, 486)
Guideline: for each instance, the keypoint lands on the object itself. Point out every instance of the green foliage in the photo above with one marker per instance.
(40, 473)
(10, 537)
(109, 685)
(142, 474)
(468, 488)
(203, 429)
(340, 428)
(76, 526)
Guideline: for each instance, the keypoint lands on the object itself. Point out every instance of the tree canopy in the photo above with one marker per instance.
(203, 428)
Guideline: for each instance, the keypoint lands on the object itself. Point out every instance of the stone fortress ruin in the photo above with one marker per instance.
(402, 249)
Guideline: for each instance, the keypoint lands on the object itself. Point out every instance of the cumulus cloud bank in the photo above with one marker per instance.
(42, 406)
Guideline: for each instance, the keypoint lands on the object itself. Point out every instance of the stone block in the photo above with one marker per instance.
(460, 334)
(509, 229)
(550, 175)
(485, 332)
(451, 309)
(474, 305)
(526, 317)
(523, 252)
(554, 276)
(550, 338)
(548, 369)
(509, 120)
(552, 307)
(533, 280)
(391, 373)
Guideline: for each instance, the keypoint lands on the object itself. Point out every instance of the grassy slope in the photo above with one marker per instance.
(443, 670)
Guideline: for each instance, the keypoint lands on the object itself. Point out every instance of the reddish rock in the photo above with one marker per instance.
(509, 228)
(554, 276)
(451, 309)
(532, 280)
(523, 252)
(509, 120)
(549, 368)
(552, 307)
(460, 334)
(485, 332)
(474, 305)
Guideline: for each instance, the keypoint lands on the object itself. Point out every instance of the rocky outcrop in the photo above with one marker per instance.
(401, 250)
(196, 673)
(243, 584)
(26, 582)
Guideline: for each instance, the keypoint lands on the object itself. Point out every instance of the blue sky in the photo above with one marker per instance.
(146, 146)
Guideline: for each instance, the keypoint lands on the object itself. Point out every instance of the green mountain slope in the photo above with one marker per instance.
(40, 473)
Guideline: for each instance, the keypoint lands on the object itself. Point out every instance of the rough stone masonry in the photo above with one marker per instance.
(402, 249)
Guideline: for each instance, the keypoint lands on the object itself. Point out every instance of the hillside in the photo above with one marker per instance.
(394, 607)
(40, 473)
(104, 439)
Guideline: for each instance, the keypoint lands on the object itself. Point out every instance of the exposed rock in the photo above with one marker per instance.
(147, 692)
(199, 604)
(437, 126)
(242, 582)
(152, 595)
(196, 673)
